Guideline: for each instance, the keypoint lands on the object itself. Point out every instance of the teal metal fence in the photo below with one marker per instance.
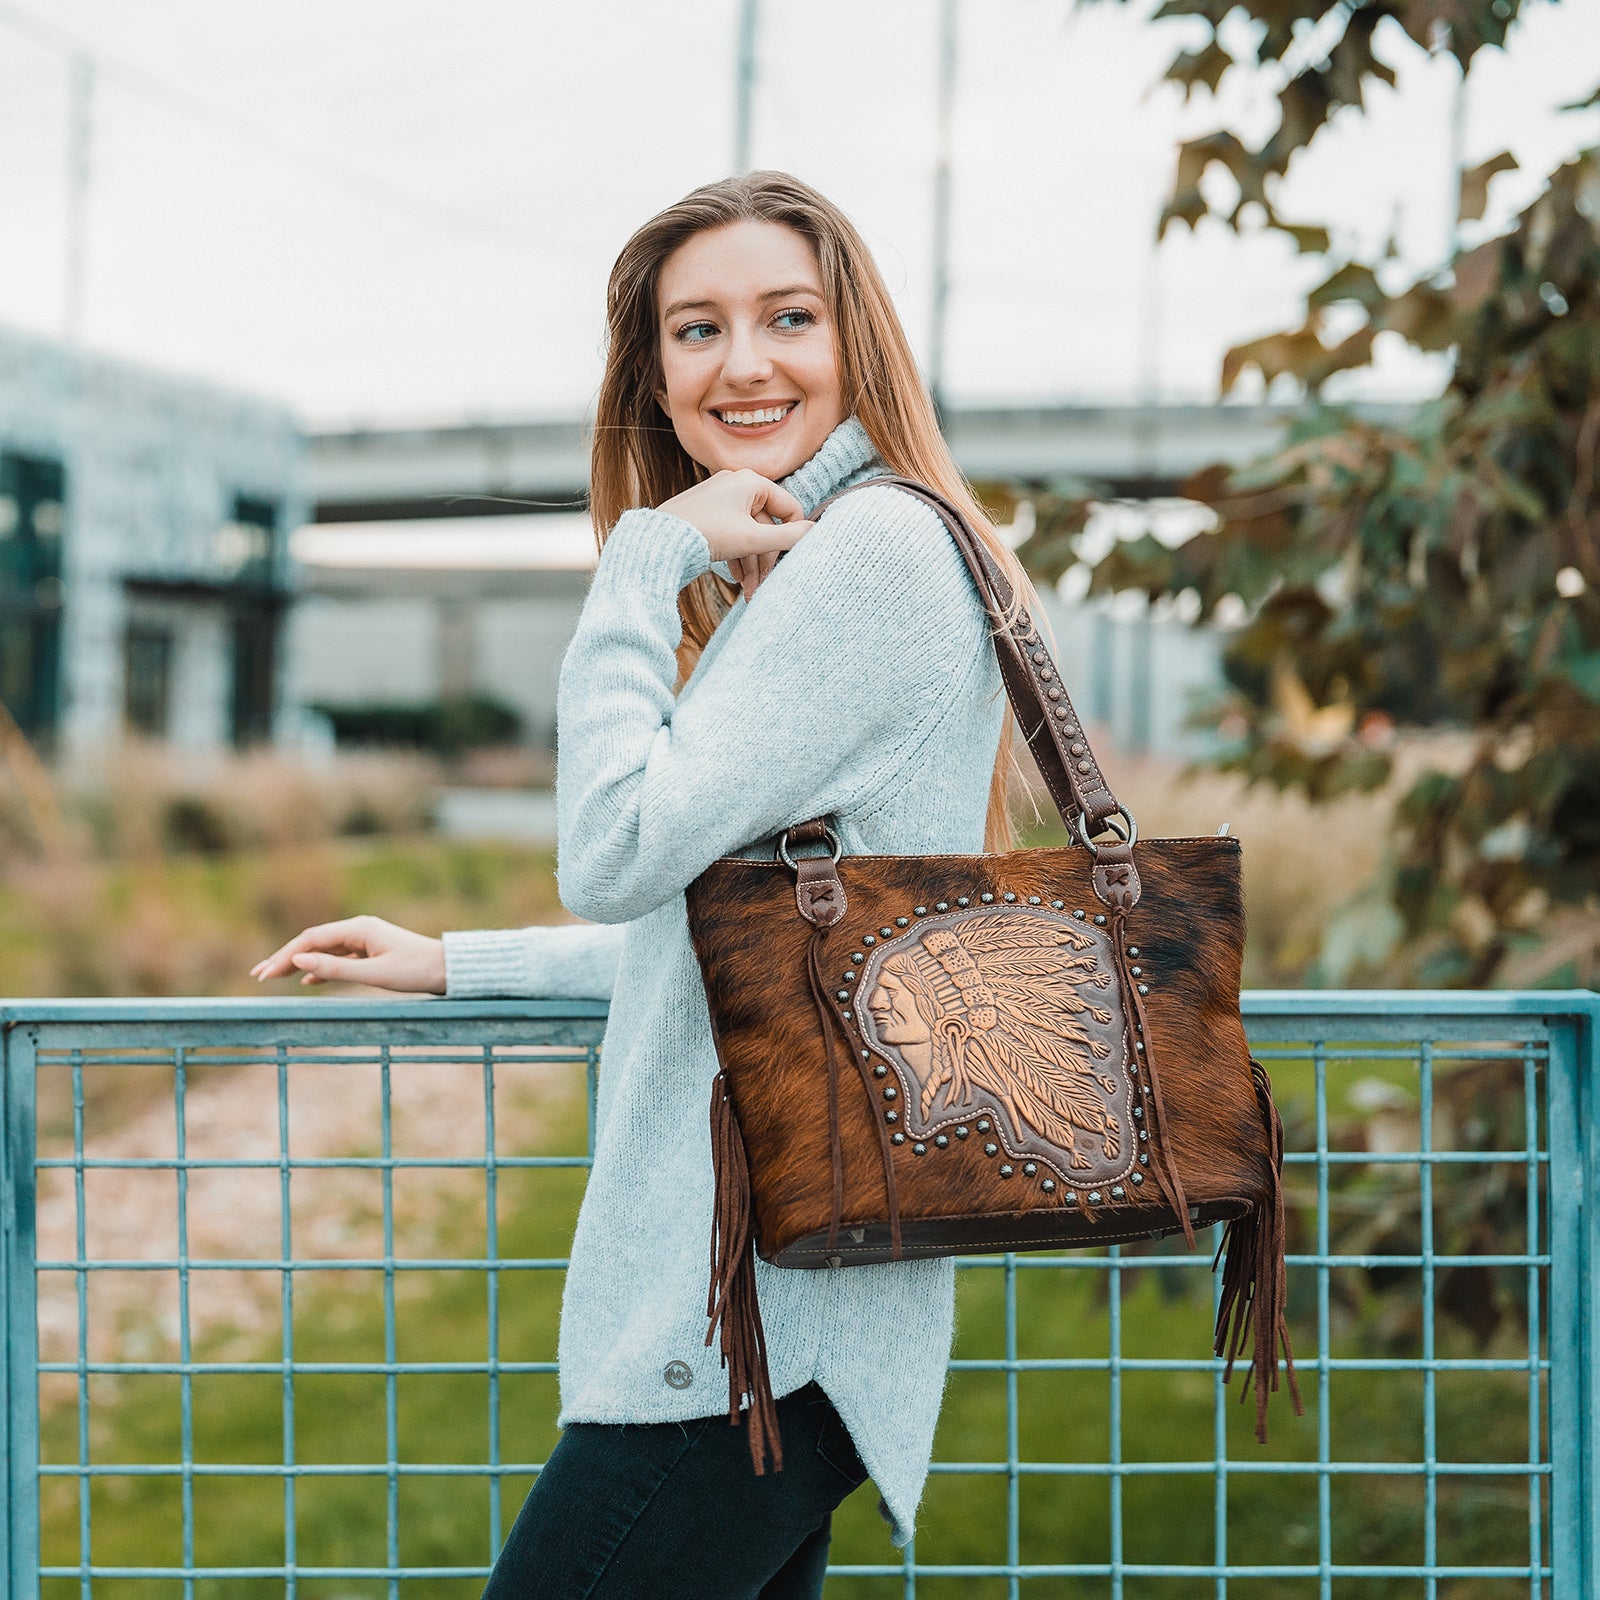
(264, 1260)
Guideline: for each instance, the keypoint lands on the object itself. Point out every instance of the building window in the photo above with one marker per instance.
(245, 548)
(147, 679)
(32, 526)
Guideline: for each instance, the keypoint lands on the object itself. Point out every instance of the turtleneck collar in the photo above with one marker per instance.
(845, 457)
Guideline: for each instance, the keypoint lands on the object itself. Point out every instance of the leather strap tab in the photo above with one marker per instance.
(817, 890)
(1116, 877)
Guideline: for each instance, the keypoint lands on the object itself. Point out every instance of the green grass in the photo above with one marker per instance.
(1165, 1310)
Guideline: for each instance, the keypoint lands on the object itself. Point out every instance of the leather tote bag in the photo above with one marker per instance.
(940, 1054)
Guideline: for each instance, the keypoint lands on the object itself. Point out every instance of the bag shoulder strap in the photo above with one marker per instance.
(1055, 733)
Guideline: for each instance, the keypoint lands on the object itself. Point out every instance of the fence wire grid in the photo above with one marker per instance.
(283, 1278)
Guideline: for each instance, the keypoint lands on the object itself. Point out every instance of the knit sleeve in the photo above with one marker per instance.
(814, 703)
(577, 962)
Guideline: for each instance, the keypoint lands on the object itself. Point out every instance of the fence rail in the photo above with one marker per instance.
(281, 1281)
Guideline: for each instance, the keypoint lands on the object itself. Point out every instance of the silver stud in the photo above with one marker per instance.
(1076, 749)
(892, 1093)
(919, 1149)
(1055, 694)
(844, 994)
(988, 899)
(886, 932)
(857, 956)
(1138, 1177)
(898, 1138)
(902, 922)
(1138, 972)
(1038, 657)
(1070, 1196)
(1029, 1168)
(1009, 896)
(941, 905)
(847, 977)
(845, 1014)
(964, 900)
(1138, 1044)
(1080, 915)
(991, 1149)
(1138, 1111)
(1094, 1197)
(1060, 905)
(921, 911)
(1049, 1186)
(1144, 988)
(1033, 899)
(1045, 675)
(1083, 766)
(942, 1142)
(1143, 1133)
(1005, 1172)
(1061, 711)
(891, 1116)
(1144, 1160)
(880, 1071)
(1118, 1192)
(870, 938)
(1133, 949)
(983, 1124)
(1100, 919)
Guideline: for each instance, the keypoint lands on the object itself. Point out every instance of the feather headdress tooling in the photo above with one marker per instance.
(1008, 1001)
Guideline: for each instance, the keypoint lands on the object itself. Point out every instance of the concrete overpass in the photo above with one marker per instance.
(487, 468)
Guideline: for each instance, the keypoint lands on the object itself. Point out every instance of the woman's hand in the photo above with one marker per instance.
(360, 950)
(748, 521)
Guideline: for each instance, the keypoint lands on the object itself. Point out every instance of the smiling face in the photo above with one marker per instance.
(749, 366)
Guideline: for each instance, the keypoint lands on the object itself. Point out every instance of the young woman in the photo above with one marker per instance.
(712, 696)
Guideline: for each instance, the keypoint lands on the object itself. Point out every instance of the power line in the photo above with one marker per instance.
(287, 153)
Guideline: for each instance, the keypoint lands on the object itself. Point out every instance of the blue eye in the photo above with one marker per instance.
(806, 319)
(683, 333)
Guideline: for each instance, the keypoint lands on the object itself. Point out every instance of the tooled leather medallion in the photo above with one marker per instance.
(1012, 1012)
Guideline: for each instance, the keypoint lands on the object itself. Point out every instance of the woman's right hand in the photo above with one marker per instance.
(748, 521)
(360, 950)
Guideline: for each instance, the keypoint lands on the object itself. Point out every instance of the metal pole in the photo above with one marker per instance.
(941, 206)
(81, 89)
(744, 84)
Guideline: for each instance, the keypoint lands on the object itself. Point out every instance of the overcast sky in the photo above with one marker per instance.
(390, 209)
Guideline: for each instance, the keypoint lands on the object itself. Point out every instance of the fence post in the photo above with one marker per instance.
(19, 1378)
(1574, 1303)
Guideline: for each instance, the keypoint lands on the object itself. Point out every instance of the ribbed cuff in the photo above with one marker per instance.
(647, 545)
(480, 963)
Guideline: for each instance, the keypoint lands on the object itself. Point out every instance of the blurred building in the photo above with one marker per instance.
(144, 572)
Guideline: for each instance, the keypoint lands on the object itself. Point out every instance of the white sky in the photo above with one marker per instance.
(551, 129)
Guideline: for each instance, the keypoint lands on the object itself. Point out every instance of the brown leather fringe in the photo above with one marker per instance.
(1255, 1279)
(1164, 1166)
(819, 995)
(732, 1300)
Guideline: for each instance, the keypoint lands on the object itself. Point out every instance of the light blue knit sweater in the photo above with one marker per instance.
(859, 681)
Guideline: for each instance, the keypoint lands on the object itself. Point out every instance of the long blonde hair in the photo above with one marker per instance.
(635, 456)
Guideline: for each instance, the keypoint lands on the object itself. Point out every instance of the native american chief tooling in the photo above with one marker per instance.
(1010, 1011)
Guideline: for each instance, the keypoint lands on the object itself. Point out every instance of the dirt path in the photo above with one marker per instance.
(231, 1113)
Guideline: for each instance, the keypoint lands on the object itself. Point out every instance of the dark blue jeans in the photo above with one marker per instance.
(674, 1511)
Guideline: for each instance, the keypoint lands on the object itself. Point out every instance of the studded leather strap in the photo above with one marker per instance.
(1054, 732)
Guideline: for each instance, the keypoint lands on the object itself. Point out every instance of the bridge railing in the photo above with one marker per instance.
(281, 1283)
